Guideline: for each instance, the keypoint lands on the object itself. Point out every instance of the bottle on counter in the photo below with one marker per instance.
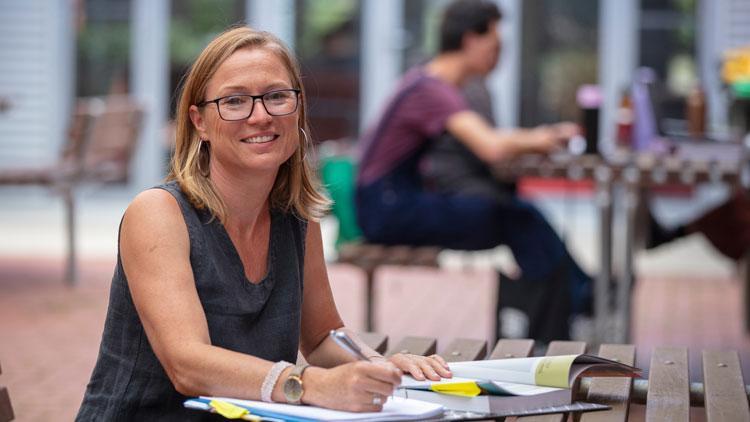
(695, 111)
(589, 99)
(624, 120)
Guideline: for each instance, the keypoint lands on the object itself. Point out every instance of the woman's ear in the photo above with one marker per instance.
(197, 119)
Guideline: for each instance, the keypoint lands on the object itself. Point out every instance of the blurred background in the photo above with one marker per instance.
(56, 54)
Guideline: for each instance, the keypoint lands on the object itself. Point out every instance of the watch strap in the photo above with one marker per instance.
(299, 369)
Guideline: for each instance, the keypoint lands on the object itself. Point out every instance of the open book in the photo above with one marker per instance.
(496, 386)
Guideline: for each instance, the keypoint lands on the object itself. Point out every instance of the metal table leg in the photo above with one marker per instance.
(603, 178)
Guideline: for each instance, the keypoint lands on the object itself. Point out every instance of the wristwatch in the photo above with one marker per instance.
(293, 388)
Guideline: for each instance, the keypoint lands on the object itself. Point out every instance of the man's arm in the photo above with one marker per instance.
(492, 145)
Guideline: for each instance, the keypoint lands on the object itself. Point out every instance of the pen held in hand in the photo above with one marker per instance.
(346, 343)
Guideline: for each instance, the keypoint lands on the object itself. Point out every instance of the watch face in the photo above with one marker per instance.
(293, 389)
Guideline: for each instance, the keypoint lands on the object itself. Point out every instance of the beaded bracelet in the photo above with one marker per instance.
(266, 389)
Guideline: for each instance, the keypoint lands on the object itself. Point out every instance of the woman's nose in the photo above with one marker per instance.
(259, 113)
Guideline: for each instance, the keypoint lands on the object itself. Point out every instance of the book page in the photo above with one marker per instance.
(513, 389)
(508, 370)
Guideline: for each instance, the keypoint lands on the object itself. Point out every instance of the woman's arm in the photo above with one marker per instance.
(155, 251)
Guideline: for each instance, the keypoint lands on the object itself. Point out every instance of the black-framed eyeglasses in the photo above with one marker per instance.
(279, 102)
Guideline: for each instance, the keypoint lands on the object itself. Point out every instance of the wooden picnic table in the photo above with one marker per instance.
(667, 394)
(620, 182)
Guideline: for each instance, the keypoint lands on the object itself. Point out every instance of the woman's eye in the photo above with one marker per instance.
(278, 96)
(234, 101)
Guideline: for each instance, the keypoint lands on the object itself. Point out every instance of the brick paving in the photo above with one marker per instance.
(49, 333)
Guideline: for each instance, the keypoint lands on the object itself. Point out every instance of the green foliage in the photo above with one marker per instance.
(195, 23)
(321, 17)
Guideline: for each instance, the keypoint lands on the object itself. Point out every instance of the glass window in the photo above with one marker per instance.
(421, 21)
(558, 54)
(667, 45)
(193, 25)
(327, 42)
(103, 53)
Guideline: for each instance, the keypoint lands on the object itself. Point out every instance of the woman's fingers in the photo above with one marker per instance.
(422, 367)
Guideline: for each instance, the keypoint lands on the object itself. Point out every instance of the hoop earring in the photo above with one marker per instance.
(204, 173)
(308, 143)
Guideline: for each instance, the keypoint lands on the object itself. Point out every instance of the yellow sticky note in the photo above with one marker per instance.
(463, 389)
(228, 410)
(553, 371)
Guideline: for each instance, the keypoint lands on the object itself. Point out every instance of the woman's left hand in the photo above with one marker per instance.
(432, 367)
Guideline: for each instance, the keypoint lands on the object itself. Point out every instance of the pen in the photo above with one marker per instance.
(346, 343)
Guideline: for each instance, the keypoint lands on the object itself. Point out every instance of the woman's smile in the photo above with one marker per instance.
(259, 139)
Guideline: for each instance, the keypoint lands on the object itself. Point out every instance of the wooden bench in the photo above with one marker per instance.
(6, 410)
(667, 394)
(369, 257)
(99, 148)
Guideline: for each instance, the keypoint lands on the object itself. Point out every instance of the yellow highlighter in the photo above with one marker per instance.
(463, 388)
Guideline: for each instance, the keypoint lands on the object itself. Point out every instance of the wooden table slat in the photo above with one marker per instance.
(6, 410)
(725, 398)
(415, 345)
(613, 391)
(668, 397)
(376, 341)
(512, 348)
(557, 348)
(465, 349)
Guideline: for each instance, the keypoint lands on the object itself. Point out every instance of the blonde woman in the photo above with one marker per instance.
(220, 278)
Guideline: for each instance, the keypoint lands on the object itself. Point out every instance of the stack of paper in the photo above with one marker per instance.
(395, 409)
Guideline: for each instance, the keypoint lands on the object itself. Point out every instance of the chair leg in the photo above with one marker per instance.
(71, 271)
(745, 278)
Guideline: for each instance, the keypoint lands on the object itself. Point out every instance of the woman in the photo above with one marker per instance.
(220, 277)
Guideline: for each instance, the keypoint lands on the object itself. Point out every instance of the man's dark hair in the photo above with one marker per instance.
(464, 16)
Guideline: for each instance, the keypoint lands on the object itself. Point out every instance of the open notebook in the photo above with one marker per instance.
(395, 409)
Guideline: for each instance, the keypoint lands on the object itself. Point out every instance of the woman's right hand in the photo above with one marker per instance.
(357, 386)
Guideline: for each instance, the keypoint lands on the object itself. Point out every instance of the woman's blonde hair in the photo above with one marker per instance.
(296, 188)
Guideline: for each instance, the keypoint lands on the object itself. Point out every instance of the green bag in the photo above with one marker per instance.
(338, 175)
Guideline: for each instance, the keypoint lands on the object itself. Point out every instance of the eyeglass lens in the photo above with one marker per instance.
(240, 107)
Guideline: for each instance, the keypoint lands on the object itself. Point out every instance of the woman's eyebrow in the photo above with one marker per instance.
(241, 89)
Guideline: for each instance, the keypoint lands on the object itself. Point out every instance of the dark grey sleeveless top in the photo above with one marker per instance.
(263, 320)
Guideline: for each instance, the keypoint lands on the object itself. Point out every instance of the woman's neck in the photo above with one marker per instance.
(246, 197)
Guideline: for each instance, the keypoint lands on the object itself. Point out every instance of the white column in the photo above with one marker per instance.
(710, 44)
(149, 52)
(382, 44)
(504, 82)
(618, 58)
(64, 73)
(275, 16)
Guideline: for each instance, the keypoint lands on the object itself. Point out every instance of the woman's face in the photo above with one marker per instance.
(261, 141)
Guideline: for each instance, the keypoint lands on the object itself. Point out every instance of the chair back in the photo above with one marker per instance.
(6, 410)
(111, 127)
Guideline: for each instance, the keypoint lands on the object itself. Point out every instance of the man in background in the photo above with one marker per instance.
(396, 204)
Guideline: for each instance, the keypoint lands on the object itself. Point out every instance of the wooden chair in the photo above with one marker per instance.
(6, 410)
(99, 148)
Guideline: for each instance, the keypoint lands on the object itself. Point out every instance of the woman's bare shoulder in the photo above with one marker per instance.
(154, 210)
